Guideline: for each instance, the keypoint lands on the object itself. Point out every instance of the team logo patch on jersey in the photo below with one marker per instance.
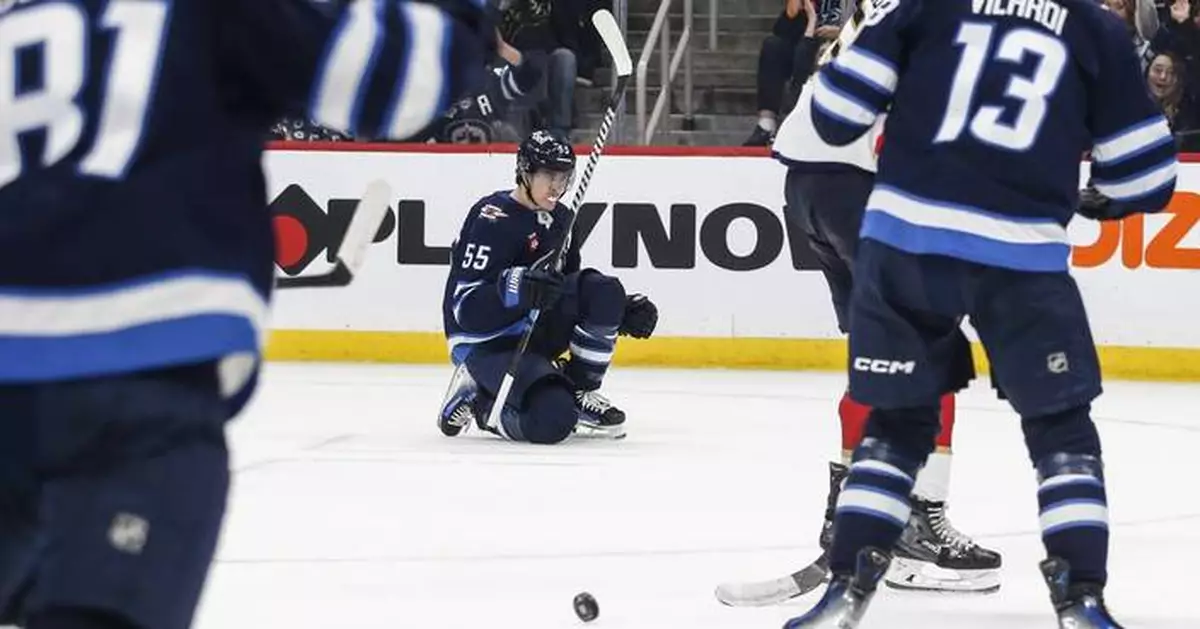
(533, 241)
(468, 132)
(492, 213)
(878, 10)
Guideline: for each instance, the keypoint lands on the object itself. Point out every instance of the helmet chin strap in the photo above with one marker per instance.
(527, 188)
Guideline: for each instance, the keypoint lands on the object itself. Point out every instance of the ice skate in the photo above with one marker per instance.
(932, 555)
(598, 418)
(465, 404)
(1079, 605)
(458, 407)
(847, 598)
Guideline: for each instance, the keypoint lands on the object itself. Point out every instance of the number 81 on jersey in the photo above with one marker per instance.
(46, 52)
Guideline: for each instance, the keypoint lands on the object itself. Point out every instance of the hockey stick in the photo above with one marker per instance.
(610, 34)
(775, 591)
(810, 577)
(360, 233)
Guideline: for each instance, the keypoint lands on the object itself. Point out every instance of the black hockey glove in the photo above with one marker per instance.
(641, 317)
(1094, 205)
(527, 288)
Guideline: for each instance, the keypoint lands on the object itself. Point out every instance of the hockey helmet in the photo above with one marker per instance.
(550, 153)
(545, 150)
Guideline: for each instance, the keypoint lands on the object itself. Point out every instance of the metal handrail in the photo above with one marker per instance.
(621, 11)
(712, 24)
(670, 65)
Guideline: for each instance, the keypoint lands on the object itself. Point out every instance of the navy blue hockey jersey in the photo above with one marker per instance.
(134, 231)
(992, 104)
(498, 233)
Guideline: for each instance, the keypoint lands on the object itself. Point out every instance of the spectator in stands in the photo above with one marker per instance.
(1166, 78)
(591, 49)
(1180, 35)
(546, 33)
(800, 21)
(1142, 18)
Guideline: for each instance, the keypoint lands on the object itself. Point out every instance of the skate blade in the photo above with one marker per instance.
(924, 576)
(452, 430)
(592, 431)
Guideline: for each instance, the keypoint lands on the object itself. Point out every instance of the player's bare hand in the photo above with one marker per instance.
(828, 32)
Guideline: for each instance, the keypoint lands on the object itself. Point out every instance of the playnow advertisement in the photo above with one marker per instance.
(704, 235)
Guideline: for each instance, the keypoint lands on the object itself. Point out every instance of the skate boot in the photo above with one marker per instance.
(465, 403)
(932, 555)
(458, 407)
(847, 597)
(598, 418)
(1078, 605)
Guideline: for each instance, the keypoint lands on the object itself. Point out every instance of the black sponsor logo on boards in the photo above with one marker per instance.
(674, 239)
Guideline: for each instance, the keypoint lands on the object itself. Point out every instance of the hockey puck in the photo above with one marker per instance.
(586, 607)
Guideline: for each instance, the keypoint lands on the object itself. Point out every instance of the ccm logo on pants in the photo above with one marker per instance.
(879, 365)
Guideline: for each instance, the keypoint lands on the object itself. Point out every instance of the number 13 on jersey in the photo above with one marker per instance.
(45, 61)
(1032, 93)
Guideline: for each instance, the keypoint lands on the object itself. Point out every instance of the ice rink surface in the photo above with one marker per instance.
(350, 510)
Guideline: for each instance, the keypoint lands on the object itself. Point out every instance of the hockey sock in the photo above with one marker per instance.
(1073, 513)
(933, 481)
(945, 438)
(854, 420)
(873, 508)
(601, 309)
(1072, 501)
(510, 424)
(591, 352)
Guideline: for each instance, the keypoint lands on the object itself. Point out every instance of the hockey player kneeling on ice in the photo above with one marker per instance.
(501, 270)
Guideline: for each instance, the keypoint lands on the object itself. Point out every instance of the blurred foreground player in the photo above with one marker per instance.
(136, 263)
(990, 111)
(826, 192)
(498, 274)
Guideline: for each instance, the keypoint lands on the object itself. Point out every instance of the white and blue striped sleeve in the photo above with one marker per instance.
(1134, 155)
(389, 69)
(373, 69)
(857, 86)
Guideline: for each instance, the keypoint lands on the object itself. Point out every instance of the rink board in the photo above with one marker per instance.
(699, 231)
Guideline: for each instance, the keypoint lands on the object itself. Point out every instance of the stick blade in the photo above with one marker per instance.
(610, 34)
(368, 216)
